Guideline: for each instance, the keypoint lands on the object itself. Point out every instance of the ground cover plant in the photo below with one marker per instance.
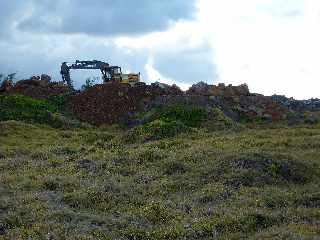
(50, 111)
(255, 183)
(172, 120)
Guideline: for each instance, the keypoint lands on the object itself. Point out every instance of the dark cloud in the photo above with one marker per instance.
(106, 17)
(28, 61)
(188, 65)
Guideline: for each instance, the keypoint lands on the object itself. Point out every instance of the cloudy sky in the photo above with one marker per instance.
(272, 45)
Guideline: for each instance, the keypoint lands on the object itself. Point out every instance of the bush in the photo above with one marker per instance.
(190, 116)
(167, 121)
(58, 101)
(23, 108)
(159, 129)
(30, 110)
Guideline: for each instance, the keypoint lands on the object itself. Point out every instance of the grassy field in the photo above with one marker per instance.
(95, 184)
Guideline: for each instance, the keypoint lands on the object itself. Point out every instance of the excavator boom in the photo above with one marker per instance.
(109, 73)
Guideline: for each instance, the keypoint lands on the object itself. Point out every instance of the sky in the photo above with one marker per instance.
(272, 45)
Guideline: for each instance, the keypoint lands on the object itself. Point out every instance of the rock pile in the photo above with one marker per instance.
(297, 105)
(220, 90)
(39, 87)
(230, 91)
(113, 102)
(258, 106)
(237, 101)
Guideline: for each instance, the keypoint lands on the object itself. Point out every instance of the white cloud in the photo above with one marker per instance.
(273, 45)
(260, 43)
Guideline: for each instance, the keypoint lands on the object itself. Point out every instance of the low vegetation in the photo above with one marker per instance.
(188, 179)
(30, 110)
(172, 120)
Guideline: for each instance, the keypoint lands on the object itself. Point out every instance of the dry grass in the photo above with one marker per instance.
(93, 184)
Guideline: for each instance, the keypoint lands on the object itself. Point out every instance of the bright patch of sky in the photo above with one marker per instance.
(272, 45)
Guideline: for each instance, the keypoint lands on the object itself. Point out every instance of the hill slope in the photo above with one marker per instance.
(95, 184)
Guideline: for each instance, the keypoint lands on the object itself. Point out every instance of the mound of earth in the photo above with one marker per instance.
(113, 102)
(36, 87)
(118, 103)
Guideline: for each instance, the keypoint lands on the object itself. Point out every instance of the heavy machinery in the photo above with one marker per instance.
(109, 73)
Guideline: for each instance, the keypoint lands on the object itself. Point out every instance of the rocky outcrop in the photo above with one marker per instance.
(298, 105)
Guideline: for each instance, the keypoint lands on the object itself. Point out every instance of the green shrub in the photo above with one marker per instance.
(159, 129)
(58, 101)
(169, 121)
(30, 110)
(190, 116)
(23, 108)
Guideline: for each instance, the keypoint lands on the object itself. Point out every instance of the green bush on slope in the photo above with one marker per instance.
(190, 116)
(30, 110)
(22, 108)
(169, 121)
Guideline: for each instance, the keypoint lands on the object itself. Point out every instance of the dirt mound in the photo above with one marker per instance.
(110, 103)
(36, 87)
(113, 102)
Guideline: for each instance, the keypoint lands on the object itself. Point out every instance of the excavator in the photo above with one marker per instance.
(109, 73)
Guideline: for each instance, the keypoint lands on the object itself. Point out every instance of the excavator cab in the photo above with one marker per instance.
(115, 74)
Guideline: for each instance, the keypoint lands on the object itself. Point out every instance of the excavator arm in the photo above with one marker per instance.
(108, 72)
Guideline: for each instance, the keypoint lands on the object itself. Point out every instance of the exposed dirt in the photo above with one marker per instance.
(110, 103)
